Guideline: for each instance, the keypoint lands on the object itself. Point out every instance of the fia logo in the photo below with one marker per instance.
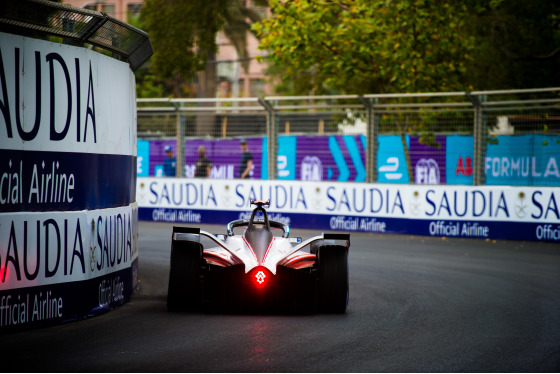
(427, 172)
(311, 169)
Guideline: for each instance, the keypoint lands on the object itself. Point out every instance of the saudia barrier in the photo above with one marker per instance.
(68, 211)
(427, 208)
(488, 212)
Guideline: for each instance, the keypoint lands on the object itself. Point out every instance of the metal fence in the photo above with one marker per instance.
(472, 138)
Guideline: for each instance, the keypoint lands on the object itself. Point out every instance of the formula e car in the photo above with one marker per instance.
(258, 270)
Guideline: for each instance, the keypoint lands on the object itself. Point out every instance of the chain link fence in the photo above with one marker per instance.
(477, 138)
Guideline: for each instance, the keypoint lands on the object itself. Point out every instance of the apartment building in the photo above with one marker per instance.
(234, 81)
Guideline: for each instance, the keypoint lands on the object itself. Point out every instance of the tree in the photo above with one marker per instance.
(183, 34)
(518, 45)
(364, 46)
(238, 22)
(378, 46)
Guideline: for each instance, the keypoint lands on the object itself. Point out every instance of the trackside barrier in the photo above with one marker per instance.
(68, 211)
(479, 138)
(520, 160)
(486, 212)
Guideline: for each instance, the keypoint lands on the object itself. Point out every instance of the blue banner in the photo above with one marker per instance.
(143, 158)
(391, 161)
(51, 181)
(525, 160)
(54, 303)
(459, 159)
(286, 158)
(380, 225)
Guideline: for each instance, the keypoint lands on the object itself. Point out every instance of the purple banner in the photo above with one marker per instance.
(428, 161)
(224, 154)
(335, 157)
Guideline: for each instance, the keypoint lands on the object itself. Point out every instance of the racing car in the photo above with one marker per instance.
(262, 268)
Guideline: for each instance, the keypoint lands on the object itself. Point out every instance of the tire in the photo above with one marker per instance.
(184, 290)
(320, 243)
(333, 287)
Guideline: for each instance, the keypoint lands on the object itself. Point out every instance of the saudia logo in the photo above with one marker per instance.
(70, 85)
(182, 194)
(359, 200)
(31, 255)
(205, 195)
(477, 203)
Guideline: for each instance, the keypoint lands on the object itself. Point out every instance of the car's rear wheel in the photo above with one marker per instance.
(184, 290)
(333, 287)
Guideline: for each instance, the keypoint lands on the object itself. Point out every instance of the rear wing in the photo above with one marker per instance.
(191, 234)
(337, 236)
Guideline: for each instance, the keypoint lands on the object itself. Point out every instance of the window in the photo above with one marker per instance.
(109, 9)
(256, 87)
(133, 11)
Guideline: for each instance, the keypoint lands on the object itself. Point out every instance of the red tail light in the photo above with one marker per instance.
(260, 277)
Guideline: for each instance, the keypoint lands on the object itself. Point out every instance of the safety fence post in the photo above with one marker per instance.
(479, 150)
(372, 130)
(180, 144)
(272, 136)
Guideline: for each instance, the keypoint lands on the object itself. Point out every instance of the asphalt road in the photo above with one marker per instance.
(417, 304)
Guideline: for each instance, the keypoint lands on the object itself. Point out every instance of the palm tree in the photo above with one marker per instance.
(238, 18)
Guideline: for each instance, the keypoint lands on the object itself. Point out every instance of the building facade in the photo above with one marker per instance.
(234, 80)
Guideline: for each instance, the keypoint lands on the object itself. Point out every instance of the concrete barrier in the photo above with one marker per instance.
(68, 211)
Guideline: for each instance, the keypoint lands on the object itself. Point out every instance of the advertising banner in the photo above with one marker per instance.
(428, 161)
(523, 160)
(286, 157)
(143, 158)
(225, 155)
(459, 159)
(390, 158)
(57, 97)
(461, 211)
(67, 129)
(61, 266)
(68, 166)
